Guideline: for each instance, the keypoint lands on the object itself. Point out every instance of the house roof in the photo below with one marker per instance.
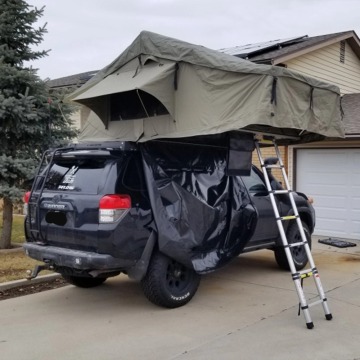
(277, 51)
(75, 80)
(245, 51)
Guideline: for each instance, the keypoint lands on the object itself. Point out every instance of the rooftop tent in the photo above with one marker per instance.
(161, 87)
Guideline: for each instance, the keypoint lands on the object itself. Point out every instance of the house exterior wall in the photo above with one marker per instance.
(325, 64)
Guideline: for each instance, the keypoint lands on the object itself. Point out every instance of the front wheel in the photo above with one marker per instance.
(298, 252)
(83, 282)
(168, 283)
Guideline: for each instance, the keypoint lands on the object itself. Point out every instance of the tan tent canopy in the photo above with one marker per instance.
(161, 87)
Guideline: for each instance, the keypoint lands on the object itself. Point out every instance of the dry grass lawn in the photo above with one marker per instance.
(17, 235)
(13, 265)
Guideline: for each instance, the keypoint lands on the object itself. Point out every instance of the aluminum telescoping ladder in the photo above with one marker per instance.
(297, 276)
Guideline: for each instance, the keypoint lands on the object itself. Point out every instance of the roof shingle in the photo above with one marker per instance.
(75, 80)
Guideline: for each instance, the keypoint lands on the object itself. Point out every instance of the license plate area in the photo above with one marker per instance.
(56, 217)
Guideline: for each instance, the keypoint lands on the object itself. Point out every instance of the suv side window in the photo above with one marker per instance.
(131, 178)
(254, 183)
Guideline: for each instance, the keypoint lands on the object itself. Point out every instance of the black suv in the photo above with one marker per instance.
(162, 212)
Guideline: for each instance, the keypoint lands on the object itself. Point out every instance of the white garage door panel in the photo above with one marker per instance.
(332, 178)
(334, 202)
(355, 204)
(319, 186)
(330, 213)
(356, 188)
(326, 225)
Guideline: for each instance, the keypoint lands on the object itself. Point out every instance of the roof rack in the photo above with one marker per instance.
(106, 145)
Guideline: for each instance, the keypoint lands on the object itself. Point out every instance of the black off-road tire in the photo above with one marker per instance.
(168, 283)
(83, 282)
(298, 252)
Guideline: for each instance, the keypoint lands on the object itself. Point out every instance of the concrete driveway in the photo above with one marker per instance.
(248, 310)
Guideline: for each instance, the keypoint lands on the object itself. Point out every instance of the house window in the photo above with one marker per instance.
(342, 51)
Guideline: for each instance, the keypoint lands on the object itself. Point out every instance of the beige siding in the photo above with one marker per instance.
(325, 64)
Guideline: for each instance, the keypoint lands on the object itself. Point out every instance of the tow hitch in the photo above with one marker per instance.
(33, 274)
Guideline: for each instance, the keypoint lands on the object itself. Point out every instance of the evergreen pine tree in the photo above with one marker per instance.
(30, 121)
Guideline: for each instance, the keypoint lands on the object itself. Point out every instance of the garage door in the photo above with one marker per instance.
(332, 178)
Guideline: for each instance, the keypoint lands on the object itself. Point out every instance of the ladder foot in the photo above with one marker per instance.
(328, 316)
(310, 325)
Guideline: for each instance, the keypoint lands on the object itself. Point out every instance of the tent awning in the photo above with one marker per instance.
(143, 73)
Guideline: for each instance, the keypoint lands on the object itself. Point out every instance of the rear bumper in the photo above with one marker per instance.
(76, 259)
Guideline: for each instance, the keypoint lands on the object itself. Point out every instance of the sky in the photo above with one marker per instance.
(86, 35)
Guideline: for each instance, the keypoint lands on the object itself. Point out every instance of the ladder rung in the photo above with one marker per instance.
(278, 192)
(273, 166)
(303, 274)
(306, 275)
(306, 271)
(300, 243)
(289, 217)
(317, 302)
(264, 141)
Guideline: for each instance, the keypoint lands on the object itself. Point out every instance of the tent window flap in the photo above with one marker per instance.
(135, 104)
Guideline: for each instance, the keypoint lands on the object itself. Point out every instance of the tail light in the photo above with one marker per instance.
(113, 207)
(26, 199)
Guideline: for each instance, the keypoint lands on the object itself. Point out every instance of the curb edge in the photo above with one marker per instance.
(23, 282)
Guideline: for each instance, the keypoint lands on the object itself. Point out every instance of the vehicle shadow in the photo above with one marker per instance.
(123, 294)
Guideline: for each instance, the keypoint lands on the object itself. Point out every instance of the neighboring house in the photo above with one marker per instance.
(328, 170)
(73, 82)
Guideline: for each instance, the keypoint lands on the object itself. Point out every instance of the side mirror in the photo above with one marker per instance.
(258, 190)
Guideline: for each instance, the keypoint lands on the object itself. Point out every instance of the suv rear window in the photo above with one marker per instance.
(80, 175)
